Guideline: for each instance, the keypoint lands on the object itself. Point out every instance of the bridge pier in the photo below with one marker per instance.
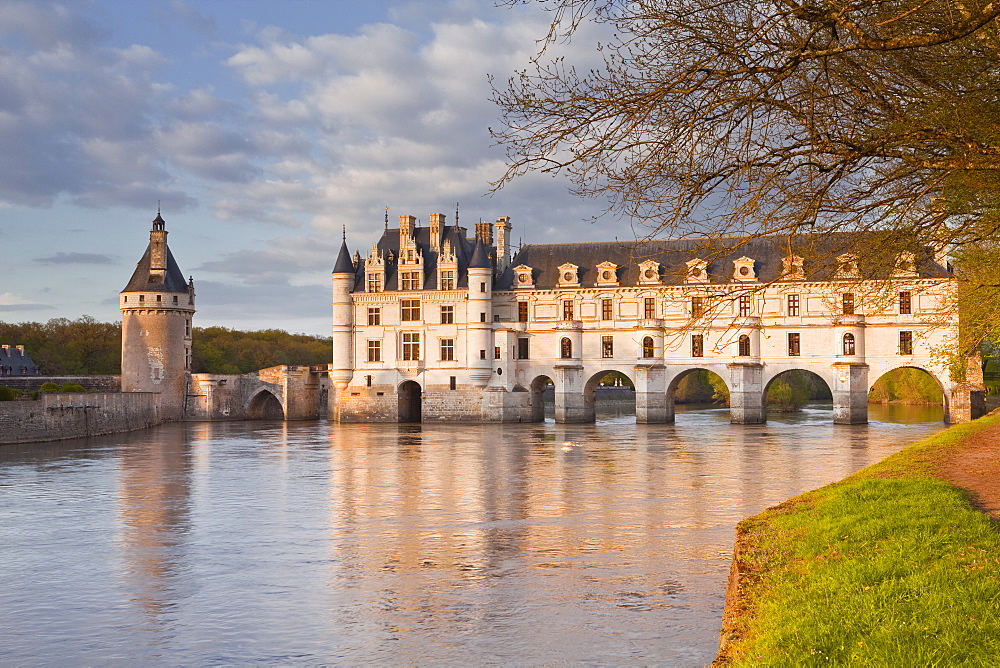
(746, 393)
(572, 404)
(652, 405)
(850, 393)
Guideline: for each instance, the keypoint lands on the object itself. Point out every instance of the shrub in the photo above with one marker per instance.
(6, 394)
(72, 387)
(48, 387)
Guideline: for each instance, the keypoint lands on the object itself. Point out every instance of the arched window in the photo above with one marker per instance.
(848, 344)
(566, 348)
(744, 346)
(647, 347)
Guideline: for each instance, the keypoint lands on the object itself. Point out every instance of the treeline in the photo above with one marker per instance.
(84, 347)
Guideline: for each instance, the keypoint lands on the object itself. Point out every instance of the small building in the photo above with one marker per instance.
(14, 361)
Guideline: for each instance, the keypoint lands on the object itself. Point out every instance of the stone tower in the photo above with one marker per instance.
(157, 308)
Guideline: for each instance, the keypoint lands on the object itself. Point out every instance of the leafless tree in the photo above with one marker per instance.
(735, 117)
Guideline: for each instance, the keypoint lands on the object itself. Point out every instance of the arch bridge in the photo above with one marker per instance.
(285, 392)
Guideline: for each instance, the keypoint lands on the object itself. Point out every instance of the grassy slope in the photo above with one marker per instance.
(887, 567)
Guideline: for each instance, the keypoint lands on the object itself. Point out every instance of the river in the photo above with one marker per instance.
(315, 543)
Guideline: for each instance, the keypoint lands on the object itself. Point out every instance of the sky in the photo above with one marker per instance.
(262, 129)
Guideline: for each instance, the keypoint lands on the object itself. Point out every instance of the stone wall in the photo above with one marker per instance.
(92, 383)
(58, 416)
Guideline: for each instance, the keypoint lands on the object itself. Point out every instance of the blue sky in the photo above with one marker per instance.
(262, 128)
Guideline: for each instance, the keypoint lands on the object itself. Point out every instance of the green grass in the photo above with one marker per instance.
(888, 567)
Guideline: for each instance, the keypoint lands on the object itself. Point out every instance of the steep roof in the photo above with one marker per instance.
(344, 264)
(455, 235)
(173, 279)
(767, 253)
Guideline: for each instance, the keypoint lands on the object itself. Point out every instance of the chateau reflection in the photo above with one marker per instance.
(154, 487)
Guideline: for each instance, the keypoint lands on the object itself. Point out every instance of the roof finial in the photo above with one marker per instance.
(456, 214)
(387, 218)
(157, 207)
(344, 238)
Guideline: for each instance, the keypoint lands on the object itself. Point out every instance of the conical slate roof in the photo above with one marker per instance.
(142, 278)
(480, 257)
(344, 264)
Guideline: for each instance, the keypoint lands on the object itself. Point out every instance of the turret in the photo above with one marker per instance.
(343, 318)
(480, 316)
(157, 308)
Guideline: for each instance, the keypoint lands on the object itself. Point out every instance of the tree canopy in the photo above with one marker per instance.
(734, 117)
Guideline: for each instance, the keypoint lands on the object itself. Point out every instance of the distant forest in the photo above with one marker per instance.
(62, 347)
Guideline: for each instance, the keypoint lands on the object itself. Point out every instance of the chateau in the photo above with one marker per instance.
(437, 325)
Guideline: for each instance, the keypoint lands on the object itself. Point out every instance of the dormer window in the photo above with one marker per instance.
(697, 271)
(607, 274)
(847, 266)
(523, 277)
(906, 265)
(743, 269)
(569, 275)
(649, 273)
(792, 268)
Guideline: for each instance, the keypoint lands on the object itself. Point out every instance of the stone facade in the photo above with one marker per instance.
(437, 325)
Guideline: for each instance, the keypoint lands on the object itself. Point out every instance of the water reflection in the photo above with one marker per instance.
(308, 542)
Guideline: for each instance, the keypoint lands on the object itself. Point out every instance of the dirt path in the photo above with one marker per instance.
(976, 468)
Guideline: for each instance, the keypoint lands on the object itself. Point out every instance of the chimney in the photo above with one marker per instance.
(407, 224)
(503, 242)
(437, 229)
(21, 348)
(484, 231)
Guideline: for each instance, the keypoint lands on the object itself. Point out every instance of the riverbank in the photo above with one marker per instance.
(898, 563)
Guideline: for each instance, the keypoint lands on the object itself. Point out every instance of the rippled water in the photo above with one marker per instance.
(318, 543)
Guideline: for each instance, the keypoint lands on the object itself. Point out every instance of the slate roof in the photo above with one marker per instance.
(16, 362)
(463, 247)
(173, 281)
(819, 253)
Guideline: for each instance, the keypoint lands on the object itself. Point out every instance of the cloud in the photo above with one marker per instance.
(286, 260)
(76, 258)
(9, 302)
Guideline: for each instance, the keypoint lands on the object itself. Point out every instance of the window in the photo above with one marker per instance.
(409, 280)
(452, 382)
(482, 287)
(607, 347)
(847, 303)
(482, 317)
(175, 299)
(697, 345)
(142, 298)
(374, 282)
(375, 316)
(649, 308)
(447, 350)
(647, 347)
(482, 354)
(794, 344)
(906, 343)
(567, 309)
(744, 346)
(848, 344)
(522, 349)
(187, 328)
(744, 305)
(159, 297)
(447, 281)
(793, 304)
(522, 311)
(409, 309)
(496, 352)
(697, 307)
(374, 351)
(368, 381)
(606, 309)
(565, 348)
(905, 303)
(411, 346)
(447, 315)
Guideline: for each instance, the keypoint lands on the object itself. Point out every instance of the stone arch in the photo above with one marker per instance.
(676, 381)
(941, 386)
(590, 392)
(538, 387)
(792, 401)
(409, 408)
(264, 406)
